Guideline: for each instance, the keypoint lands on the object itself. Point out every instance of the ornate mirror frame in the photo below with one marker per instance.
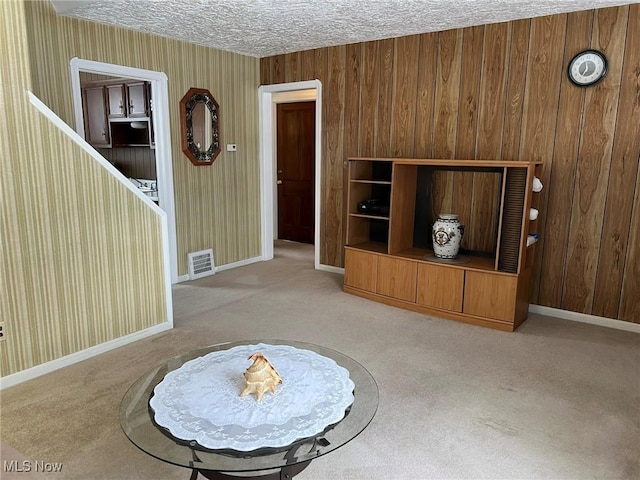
(198, 155)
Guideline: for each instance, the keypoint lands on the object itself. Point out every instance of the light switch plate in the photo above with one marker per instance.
(232, 147)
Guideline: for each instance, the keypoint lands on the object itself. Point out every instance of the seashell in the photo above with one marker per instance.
(260, 377)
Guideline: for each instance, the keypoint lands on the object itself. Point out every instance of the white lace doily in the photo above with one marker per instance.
(200, 400)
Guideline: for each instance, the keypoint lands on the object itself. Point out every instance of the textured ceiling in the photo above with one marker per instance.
(261, 28)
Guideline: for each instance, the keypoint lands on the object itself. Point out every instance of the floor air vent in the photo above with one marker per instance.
(201, 264)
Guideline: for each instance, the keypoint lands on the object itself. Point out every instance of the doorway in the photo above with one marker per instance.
(269, 96)
(159, 119)
(295, 171)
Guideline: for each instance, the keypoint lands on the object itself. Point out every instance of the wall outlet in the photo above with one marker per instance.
(3, 332)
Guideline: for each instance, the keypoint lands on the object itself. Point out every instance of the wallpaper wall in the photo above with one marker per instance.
(216, 206)
(501, 91)
(76, 269)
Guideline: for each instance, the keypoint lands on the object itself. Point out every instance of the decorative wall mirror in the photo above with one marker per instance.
(200, 118)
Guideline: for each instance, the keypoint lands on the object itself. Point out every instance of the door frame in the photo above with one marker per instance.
(162, 134)
(285, 99)
(268, 97)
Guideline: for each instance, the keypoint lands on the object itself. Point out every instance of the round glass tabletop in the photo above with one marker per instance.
(137, 420)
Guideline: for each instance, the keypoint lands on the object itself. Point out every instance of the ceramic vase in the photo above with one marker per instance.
(447, 235)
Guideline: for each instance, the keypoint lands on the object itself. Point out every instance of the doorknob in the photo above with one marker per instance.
(279, 182)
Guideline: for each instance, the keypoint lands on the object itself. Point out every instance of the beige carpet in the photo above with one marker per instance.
(554, 400)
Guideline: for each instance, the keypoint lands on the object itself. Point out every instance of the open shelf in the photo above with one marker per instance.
(492, 197)
(476, 262)
(373, 182)
(364, 215)
(374, 247)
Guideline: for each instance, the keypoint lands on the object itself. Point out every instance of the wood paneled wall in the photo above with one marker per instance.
(500, 91)
(136, 162)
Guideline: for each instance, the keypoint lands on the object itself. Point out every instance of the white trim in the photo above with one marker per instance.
(48, 367)
(268, 96)
(160, 116)
(241, 263)
(81, 142)
(585, 318)
(228, 266)
(330, 268)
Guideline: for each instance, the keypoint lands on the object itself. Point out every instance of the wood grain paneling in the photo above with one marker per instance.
(560, 186)
(308, 65)
(518, 58)
(403, 121)
(385, 98)
(136, 162)
(292, 66)
(278, 69)
(486, 188)
(446, 114)
(352, 100)
(426, 95)
(544, 74)
(351, 114)
(333, 166)
(622, 180)
(501, 91)
(467, 128)
(601, 103)
(369, 98)
(629, 304)
(265, 71)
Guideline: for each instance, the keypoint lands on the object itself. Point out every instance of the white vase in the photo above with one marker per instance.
(447, 235)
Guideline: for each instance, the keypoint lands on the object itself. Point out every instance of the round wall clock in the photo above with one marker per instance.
(587, 68)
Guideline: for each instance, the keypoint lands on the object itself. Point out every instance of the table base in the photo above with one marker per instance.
(284, 473)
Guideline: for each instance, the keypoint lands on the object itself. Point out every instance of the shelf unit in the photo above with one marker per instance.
(385, 262)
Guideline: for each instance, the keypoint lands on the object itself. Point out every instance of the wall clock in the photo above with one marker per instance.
(587, 68)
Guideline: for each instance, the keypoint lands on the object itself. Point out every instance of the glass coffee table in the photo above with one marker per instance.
(270, 463)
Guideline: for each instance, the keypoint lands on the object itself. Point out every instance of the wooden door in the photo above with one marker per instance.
(397, 278)
(95, 117)
(360, 269)
(440, 286)
(137, 100)
(296, 170)
(490, 295)
(115, 94)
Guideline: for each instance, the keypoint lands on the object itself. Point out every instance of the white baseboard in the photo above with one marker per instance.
(241, 263)
(585, 318)
(331, 268)
(38, 370)
(228, 266)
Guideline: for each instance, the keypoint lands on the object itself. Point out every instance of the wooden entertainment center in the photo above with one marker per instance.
(388, 255)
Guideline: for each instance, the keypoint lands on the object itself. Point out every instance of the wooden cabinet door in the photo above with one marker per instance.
(440, 287)
(116, 101)
(97, 131)
(360, 269)
(490, 295)
(397, 278)
(137, 97)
